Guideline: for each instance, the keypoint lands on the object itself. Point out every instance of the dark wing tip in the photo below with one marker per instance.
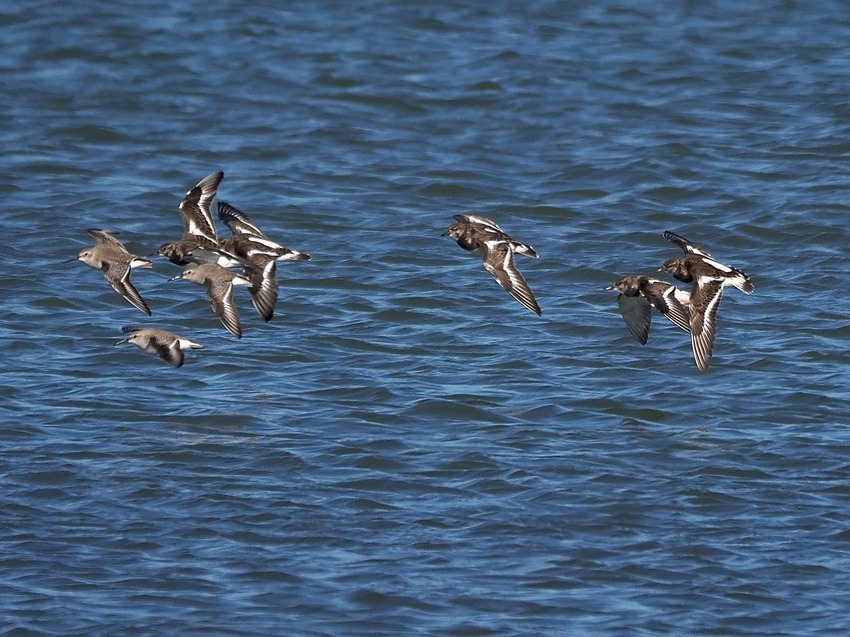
(678, 239)
(524, 295)
(687, 246)
(701, 358)
(225, 210)
(212, 180)
(131, 294)
(232, 325)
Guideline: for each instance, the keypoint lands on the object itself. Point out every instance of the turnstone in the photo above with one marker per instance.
(708, 277)
(484, 237)
(111, 257)
(248, 241)
(639, 294)
(250, 247)
(169, 347)
(199, 234)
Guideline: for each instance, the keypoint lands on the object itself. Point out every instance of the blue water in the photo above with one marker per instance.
(404, 449)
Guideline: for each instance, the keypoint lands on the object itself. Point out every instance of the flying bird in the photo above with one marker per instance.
(709, 277)
(169, 347)
(484, 237)
(639, 294)
(199, 233)
(110, 256)
(220, 282)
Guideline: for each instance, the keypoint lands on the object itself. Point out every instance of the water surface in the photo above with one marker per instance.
(404, 449)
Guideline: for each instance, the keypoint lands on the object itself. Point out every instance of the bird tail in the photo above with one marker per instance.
(741, 281)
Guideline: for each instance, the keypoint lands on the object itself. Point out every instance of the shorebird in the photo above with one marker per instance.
(256, 253)
(219, 282)
(708, 277)
(111, 257)
(484, 237)
(639, 294)
(248, 240)
(169, 347)
(199, 234)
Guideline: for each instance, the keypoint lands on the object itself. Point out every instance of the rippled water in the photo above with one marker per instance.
(404, 449)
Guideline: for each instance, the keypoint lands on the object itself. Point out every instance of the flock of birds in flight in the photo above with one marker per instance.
(211, 260)
(694, 312)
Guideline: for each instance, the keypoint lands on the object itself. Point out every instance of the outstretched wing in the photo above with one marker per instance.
(669, 304)
(488, 224)
(637, 313)
(263, 288)
(170, 353)
(237, 221)
(220, 295)
(703, 309)
(195, 209)
(499, 262)
(684, 244)
(105, 237)
(118, 275)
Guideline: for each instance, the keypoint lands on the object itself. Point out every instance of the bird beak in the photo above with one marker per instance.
(71, 259)
(126, 340)
(174, 278)
(608, 289)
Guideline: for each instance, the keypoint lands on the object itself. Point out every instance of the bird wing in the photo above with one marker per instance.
(703, 309)
(499, 261)
(669, 305)
(169, 352)
(684, 244)
(118, 275)
(637, 313)
(195, 209)
(105, 237)
(263, 287)
(220, 295)
(237, 221)
(488, 224)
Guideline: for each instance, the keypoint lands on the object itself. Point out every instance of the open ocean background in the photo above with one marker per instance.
(404, 449)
